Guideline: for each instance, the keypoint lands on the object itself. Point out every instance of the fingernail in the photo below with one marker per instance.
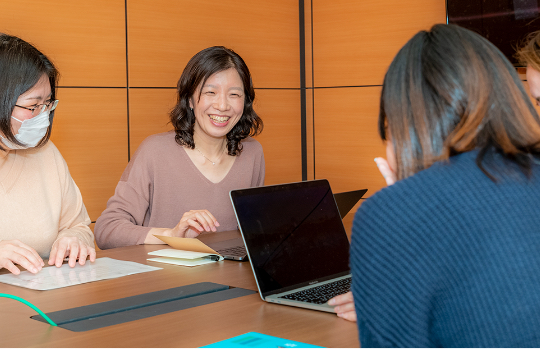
(217, 223)
(207, 228)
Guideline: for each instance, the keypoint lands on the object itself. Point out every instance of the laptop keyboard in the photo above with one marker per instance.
(233, 251)
(321, 294)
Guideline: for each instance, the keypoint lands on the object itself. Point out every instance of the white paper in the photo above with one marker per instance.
(53, 277)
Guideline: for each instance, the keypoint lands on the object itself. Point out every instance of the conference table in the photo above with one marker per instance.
(192, 327)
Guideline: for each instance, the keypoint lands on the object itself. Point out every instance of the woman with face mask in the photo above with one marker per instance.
(42, 212)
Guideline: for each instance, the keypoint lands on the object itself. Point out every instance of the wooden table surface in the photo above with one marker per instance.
(191, 328)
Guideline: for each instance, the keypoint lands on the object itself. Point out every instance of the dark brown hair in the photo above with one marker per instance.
(450, 91)
(199, 68)
(21, 67)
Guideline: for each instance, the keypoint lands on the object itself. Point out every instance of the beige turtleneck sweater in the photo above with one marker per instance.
(39, 201)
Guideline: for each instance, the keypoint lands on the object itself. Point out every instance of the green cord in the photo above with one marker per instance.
(31, 305)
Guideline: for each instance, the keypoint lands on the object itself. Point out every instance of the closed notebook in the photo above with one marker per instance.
(187, 252)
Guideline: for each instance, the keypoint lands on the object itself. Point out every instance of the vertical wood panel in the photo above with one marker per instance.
(347, 140)
(149, 113)
(85, 39)
(355, 41)
(280, 112)
(90, 130)
(165, 34)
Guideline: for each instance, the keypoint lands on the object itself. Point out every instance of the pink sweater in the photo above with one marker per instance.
(161, 183)
(39, 202)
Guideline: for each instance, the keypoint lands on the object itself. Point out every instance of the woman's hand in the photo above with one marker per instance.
(72, 247)
(386, 171)
(344, 306)
(193, 223)
(15, 252)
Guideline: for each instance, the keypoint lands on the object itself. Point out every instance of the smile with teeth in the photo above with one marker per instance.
(218, 118)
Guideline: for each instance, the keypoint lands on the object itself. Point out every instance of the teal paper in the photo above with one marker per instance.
(258, 340)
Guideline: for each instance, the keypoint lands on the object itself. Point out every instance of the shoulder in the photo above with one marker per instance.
(442, 181)
(156, 146)
(159, 141)
(251, 146)
(423, 208)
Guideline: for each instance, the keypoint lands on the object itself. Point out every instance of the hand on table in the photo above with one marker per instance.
(193, 223)
(72, 247)
(15, 252)
(386, 171)
(344, 306)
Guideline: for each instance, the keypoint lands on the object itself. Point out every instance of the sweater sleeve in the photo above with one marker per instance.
(392, 276)
(121, 222)
(74, 219)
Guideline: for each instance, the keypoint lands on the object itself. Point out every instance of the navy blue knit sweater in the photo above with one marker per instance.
(449, 258)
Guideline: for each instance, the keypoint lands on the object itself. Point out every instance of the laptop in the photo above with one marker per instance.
(297, 246)
(347, 200)
(231, 245)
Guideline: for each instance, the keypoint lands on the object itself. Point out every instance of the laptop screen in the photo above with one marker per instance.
(293, 233)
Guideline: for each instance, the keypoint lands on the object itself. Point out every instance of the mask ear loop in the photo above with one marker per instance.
(9, 296)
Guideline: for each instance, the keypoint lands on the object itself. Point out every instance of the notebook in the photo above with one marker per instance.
(296, 243)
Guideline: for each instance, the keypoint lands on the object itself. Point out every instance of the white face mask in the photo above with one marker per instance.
(31, 131)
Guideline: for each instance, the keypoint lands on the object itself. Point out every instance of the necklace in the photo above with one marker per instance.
(210, 160)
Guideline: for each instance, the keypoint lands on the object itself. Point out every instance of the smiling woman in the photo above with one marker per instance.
(42, 213)
(178, 183)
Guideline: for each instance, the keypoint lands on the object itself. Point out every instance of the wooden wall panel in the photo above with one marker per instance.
(164, 34)
(149, 113)
(346, 138)
(355, 41)
(280, 112)
(85, 39)
(90, 130)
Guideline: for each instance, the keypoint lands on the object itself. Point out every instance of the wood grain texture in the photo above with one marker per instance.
(149, 113)
(346, 138)
(90, 130)
(164, 34)
(281, 138)
(85, 39)
(189, 328)
(355, 41)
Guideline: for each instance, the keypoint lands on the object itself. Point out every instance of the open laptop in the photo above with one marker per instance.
(231, 245)
(296, 243)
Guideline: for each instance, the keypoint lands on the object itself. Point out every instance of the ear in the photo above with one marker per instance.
(191, 103)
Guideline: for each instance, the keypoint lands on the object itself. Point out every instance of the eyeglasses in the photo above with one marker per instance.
(37, 109)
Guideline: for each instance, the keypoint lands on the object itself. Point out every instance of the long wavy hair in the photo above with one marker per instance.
(199, 68)
(21, 67)
(450, 91)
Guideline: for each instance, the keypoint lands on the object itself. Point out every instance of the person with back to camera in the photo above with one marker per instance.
(447, 256)
(43, 214)
(529, 56)
(178, 182)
